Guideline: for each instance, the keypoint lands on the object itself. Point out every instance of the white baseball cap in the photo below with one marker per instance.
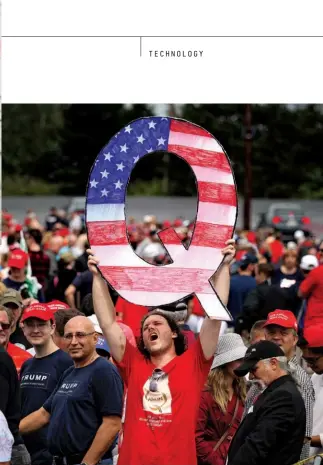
(95, 322)
(309, 262)
(299, 234)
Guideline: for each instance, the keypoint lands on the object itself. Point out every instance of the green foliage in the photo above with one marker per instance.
(51, 148)
(24, 185)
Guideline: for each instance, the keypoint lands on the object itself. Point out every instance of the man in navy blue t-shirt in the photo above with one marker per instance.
(241, 284)
(84, 412)
(40, 375)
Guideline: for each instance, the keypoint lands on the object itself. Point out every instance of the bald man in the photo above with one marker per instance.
(84, 412)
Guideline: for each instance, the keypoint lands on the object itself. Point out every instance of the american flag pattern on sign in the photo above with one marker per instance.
(132, 277)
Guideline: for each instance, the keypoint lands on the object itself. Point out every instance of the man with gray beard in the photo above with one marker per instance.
(273, 431)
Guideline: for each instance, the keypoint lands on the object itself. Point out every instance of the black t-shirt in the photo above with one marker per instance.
(38, 379)
(83, 396)
(83, 283)
(10, 394)
(81, 263)
(287, 280)
(50, 221)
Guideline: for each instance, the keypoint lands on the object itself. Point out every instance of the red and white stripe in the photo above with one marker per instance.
(145, 284)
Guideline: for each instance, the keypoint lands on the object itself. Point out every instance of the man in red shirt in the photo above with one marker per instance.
(312, 290)
(164, 380)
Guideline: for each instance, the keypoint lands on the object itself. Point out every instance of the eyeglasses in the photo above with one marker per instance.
(155, 377)
(79, 335)
(5, 326)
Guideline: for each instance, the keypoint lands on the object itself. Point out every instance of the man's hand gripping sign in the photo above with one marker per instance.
(190, 272)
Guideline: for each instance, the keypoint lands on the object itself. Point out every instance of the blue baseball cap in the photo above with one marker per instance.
(102, 344)
(248, 259)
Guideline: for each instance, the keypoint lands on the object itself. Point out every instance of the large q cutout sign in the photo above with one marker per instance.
(133, 278)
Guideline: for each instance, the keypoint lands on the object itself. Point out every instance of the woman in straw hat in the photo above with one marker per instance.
(222, 402)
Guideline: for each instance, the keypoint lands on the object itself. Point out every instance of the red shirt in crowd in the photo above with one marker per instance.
(161, 415)
(18, 355)
(277, 250)
(312, 290)
(132, 314)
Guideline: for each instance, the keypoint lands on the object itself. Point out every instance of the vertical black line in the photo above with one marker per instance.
(140, 46)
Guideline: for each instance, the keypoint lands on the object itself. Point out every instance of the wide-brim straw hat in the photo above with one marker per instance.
(230, 348)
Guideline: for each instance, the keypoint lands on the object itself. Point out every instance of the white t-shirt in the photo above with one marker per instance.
(317, 381)
(6, 440)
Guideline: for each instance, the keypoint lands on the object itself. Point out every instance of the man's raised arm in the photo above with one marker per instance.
(105, 311)
(210, 330)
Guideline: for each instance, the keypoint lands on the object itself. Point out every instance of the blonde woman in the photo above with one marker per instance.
(222, 402)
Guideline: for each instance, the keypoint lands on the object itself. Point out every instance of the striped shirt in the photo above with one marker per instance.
(305, 386)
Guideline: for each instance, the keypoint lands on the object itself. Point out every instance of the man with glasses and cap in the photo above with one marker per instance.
(13, 300)
(274, 429)
(18, 355)
(311, 344)
(84, 411)
(163, 377)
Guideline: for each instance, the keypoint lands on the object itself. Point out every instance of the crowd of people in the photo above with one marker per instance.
(87, 377)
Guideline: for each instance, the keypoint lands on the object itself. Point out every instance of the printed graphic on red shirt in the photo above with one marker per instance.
(157, 397)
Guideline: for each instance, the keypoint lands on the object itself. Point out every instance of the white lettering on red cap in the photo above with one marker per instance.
(278, 315)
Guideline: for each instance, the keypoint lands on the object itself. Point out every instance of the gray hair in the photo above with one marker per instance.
(282, 362)
(287, 366)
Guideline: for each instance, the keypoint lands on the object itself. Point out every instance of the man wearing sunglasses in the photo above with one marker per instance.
(39, 375)
(311, 289)
(84, 411)
(19, 356)
(311, 344)
(273, 431)
(13, 300)
(164, 378)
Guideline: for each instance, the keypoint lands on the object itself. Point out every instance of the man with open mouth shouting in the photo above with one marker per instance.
(164, 379)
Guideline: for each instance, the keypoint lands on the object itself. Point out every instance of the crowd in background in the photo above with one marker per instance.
(46, 303)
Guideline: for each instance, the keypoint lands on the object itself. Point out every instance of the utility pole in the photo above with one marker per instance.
(248, 134)
(171, 110)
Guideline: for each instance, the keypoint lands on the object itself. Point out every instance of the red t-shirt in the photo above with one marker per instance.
(160, 423)
(277, 250)
(312, 289)
(18, 355)
(132, 314)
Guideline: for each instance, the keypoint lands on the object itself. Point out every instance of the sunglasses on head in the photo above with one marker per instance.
(155, 377)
